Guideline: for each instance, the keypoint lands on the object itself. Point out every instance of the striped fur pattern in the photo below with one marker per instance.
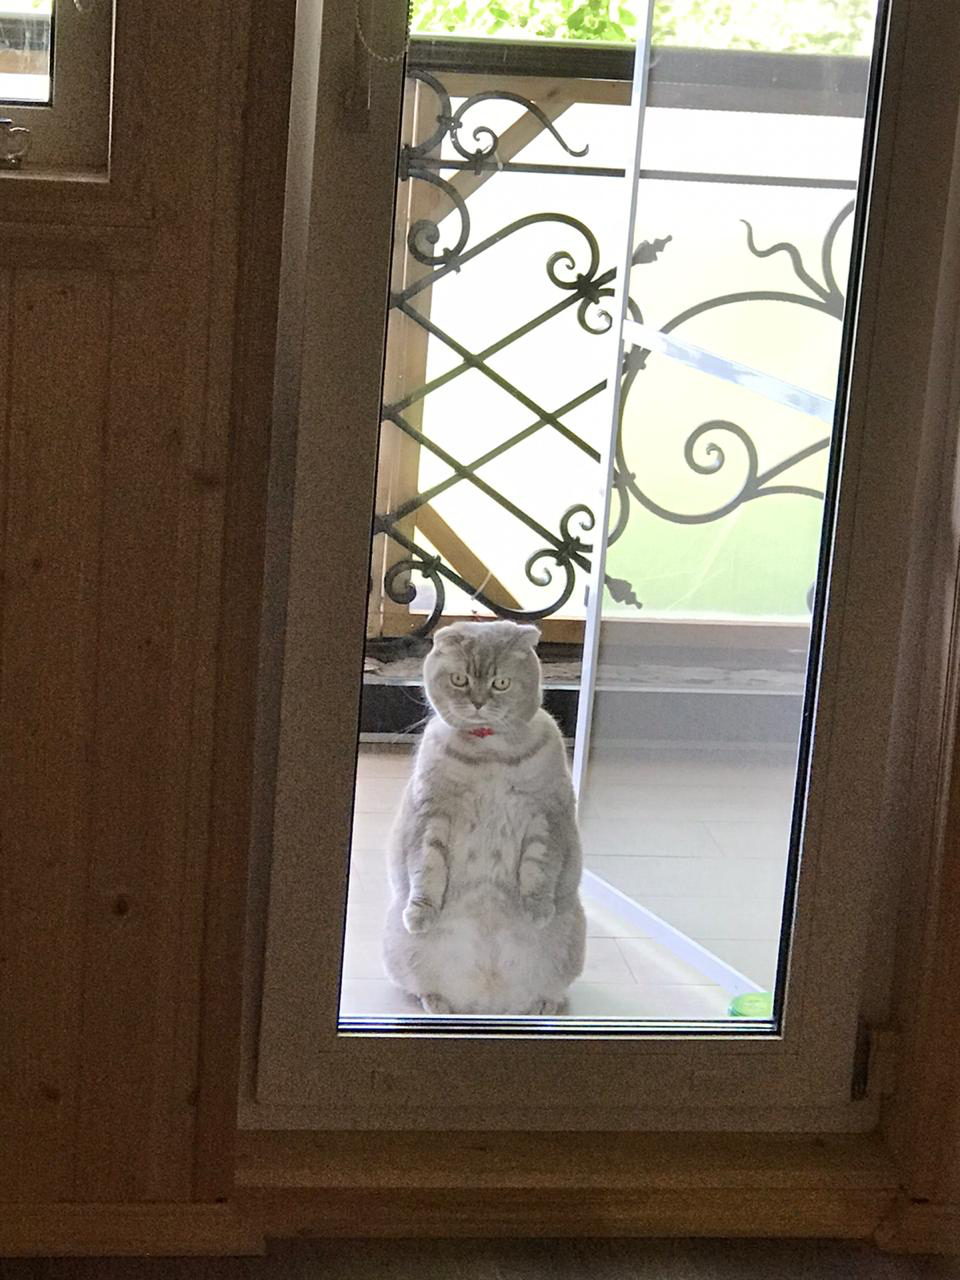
(484, 856)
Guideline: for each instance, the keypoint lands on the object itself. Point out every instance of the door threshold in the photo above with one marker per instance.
(404, 1184)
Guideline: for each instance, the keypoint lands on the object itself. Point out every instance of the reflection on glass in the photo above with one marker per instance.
(509, 229)
(25, 40)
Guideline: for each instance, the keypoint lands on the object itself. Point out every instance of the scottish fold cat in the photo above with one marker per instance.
(484, 856)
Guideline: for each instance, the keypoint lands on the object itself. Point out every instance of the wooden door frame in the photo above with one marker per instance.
(887, 1185)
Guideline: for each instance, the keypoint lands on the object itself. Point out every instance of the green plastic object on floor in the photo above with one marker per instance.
(753, 1004)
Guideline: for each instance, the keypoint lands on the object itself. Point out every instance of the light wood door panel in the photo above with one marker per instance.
(59, 327)
(135, 450)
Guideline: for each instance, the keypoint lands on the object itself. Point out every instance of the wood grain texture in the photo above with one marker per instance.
(561, 1161)
(614, 1212)
(59, 331)
(837, 1215)
(125, 1230)
(247, 467)
(569, 1185)
(161, 555)
(119, 388)
(93, 248)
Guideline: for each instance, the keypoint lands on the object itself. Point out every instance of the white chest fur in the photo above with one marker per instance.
(491, 812)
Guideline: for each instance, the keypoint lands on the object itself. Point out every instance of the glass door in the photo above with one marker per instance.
(499, 468)
(623, 285)
(692, 739)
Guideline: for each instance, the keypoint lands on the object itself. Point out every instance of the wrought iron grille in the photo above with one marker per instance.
(461, 141)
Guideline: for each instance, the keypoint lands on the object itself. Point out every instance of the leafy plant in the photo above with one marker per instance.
(814, 26)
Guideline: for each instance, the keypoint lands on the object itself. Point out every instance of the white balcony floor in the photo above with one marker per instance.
(699, 841)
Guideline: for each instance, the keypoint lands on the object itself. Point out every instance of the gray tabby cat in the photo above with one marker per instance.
(484, 856)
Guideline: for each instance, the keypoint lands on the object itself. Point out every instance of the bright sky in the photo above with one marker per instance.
(9, 8)
(22, 88)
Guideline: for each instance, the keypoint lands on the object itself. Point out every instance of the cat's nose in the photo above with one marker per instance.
(477, 702)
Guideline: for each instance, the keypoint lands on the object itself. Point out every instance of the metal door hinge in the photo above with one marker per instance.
(874, 1062)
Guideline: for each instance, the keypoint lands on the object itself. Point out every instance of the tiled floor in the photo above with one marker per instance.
(699, 840)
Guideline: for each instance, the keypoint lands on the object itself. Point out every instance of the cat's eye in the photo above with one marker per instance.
(501, 683)
(458, 680)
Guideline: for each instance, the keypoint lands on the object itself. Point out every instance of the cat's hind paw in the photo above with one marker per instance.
(419, 917)
(435, 1004)
(540, 910)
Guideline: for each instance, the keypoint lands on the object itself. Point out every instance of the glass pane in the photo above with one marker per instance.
(722, 455)
(26, 30)
(796, 26)
(683, 720)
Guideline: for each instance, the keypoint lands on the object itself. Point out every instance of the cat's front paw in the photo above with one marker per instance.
(539, 909)
(435, 1004)
(419, 917)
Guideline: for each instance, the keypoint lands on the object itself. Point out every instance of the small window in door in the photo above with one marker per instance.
(55, 72)
(26, 42)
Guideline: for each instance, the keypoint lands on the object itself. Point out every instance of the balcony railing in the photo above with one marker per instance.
(491, 443)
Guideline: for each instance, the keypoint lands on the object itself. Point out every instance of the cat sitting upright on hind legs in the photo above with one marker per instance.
(484, 856)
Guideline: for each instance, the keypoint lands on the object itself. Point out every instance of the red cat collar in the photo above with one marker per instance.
(480, 733)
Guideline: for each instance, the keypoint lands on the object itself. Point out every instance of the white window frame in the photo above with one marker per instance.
(72, 133)
(307, 1075)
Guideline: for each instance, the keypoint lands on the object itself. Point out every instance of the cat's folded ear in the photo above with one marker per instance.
(446, 637)
(528, 637)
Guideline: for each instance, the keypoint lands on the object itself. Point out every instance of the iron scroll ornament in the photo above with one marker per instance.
(703, 449)
(422, 161)
(575, 273)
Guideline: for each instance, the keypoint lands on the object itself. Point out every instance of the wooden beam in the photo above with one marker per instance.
(717, 1213)
(405, 367)
(636, 633)
(460, 557)
(572, 1184)
(126, 1230)
(261, 203)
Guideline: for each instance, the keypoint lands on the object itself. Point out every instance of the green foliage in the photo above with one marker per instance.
(550, 19)
(812, 26)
